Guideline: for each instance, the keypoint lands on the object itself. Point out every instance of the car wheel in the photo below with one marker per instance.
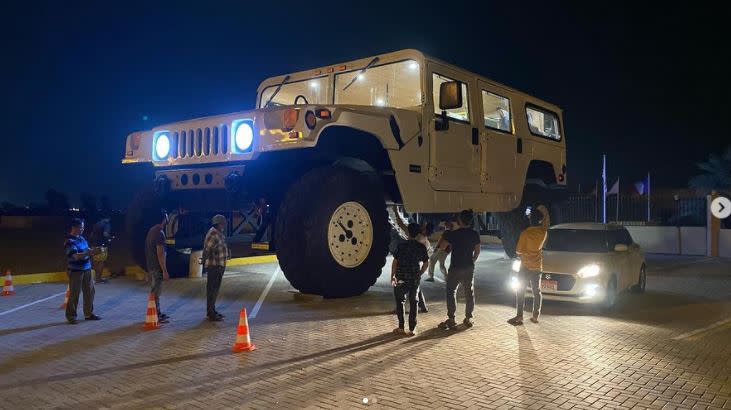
(333, 232)
(641, 281)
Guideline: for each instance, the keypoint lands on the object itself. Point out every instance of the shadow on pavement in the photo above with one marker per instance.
(6, 332)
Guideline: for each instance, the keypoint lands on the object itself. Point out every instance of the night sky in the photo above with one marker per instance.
(648, 86)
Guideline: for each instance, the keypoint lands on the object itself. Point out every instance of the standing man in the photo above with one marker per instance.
(465, 244)
(155, 254)
(78, 262)
(422, 236)
(409, 262)
(439, 256)
(530, 251)
(101, 235)
(215, 253)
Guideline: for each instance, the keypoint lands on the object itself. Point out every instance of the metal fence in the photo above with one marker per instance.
(632, 210)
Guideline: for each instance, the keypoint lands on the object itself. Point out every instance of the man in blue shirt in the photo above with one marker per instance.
(78, 262)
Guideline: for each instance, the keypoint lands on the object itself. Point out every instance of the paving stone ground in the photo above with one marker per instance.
(341, 354)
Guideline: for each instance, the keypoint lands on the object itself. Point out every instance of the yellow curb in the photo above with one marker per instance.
(132, 271)
(252, 260)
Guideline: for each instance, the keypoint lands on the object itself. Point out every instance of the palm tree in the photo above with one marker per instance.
(716, 173)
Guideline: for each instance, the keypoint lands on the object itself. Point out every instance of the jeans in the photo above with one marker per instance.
(403, 292)
(80, 281)
(534, 278)
(438, 256)
(156, 289)
(466, 278)
(213, 284)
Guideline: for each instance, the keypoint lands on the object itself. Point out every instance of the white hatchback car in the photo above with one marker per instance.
(591, 263)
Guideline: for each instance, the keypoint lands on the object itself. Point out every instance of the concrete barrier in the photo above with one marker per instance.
(724, 243)
(693, 240)
(656, 239)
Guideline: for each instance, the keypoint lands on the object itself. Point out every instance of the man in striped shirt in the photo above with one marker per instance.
(215, 253)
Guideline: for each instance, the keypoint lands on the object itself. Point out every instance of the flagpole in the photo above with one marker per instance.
(617, 218)
(648, 197)
(604, 189)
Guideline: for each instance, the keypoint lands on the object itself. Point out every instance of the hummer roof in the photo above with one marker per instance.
(400, 55)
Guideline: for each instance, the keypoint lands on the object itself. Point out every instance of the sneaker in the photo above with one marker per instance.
(468, 322)
(163, 320)
(93, 317)
(101, 281)
(399, 331)
(73, 321)
(163, 316)
(220, 314)
(534, 319)
(410, 333)
(516, 321)
(423, 309)
(215, 318)
(448, 324)
(429, 279)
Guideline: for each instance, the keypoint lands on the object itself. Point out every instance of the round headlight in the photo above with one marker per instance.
(244, 136)
(162, 146)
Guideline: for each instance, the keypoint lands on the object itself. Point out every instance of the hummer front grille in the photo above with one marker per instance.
(199, 142)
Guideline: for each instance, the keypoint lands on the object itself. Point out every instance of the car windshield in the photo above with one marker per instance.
(577, 240)
(395, 85)
(314, 91)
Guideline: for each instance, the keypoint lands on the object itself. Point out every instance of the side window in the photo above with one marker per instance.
(543, 123)
(496, 111)
(461, 113)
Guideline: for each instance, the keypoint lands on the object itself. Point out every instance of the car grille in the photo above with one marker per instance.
(565, 281)
(199, 142)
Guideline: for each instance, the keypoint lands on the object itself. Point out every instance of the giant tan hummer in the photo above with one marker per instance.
(329, 149)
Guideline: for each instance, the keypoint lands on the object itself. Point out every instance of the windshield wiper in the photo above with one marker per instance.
(279, 87)
(374, 61)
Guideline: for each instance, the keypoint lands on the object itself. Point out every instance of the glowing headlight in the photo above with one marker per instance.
(243, 136)
(514, 283)
(588, 271)
(591, 290)
(516, 265)
(162, 146)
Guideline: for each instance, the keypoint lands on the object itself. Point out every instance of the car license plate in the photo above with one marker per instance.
(549, 284)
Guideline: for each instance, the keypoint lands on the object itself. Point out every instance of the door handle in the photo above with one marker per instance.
(475, 137)
(519, 146)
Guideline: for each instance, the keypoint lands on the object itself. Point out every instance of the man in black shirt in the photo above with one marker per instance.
(406, 275)
(465, 244)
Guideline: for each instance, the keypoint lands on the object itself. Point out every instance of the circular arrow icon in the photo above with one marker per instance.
(721, 207)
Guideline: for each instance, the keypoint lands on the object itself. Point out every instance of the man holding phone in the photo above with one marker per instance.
(78, 262)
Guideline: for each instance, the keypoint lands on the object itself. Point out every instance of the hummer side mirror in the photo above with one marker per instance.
(450, 95)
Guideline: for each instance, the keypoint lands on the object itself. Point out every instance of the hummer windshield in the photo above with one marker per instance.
(395, 85)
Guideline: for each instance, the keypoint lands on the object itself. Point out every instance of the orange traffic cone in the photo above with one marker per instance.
(8, 288)
(151, 317)
(243, 339)
(66, 299)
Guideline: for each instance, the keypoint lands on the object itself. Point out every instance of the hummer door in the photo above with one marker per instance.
(455, 144)
(497, 133)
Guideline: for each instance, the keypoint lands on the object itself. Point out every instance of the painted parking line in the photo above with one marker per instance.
(31, 303)
(697, 332)
(264, 293)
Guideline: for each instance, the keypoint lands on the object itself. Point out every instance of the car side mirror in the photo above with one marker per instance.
(620, 247)
(450, 95)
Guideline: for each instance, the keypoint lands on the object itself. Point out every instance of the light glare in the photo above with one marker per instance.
(162, 146)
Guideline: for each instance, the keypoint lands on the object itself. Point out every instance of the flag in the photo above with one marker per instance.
(615, 188)
(643, 187)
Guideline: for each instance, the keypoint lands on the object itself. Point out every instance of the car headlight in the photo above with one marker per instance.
(243, 135)
(516, 265)
(162, 146)
(514, 284)
(589, 271)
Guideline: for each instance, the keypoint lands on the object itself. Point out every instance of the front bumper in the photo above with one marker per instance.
(198, 178)
(570, 288)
